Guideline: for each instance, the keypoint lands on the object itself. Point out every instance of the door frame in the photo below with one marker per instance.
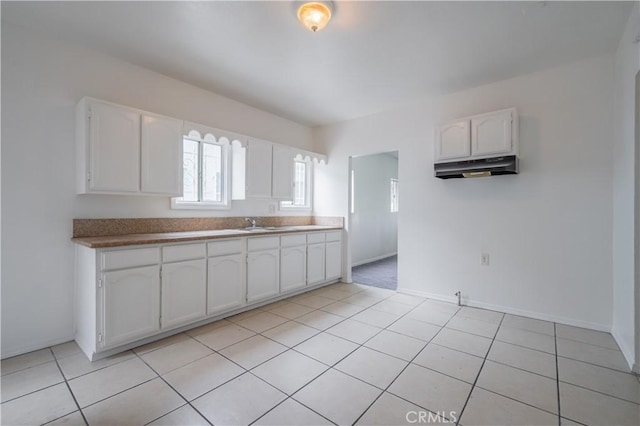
(349, 218)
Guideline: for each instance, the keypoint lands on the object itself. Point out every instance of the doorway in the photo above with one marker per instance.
(373, 219)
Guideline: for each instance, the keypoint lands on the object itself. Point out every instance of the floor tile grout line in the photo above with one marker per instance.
(175, 390)
(84, 419)
(119, 392)
(525, 347)
(528, 330)
(473, 386)
(288, 396)
(359, 345)
(405, 367)
(518, 401)
(253, 374)
(594, 364)
(101, 368)
(31, 366)
(34, 391)
(599, 392)
(590, 344)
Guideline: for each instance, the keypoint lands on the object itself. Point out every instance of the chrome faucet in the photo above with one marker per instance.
(251, 221)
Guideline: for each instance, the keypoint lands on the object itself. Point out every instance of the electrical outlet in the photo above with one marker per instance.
(484, 259)
(272, 207)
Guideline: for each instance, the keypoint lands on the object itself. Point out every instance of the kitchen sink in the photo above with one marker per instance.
(259, 229)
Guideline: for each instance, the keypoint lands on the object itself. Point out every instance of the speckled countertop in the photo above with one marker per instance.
(175, 237)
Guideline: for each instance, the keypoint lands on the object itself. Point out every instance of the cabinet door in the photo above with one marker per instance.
(258, 168)
(262, 274)
(183, 292)
(491, 134)
(282, 185)
(333, 262)
(130, 304)
(226, 283)
(315, 263)
(293, 268)
(161, 155)
(114, 148)
(453, 141)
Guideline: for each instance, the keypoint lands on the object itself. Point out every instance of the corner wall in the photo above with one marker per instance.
(627, 64)
(42, 80)
(548, 230)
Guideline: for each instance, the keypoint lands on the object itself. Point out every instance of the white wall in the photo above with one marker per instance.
(42, 81)
(547, 230)
(374, 229)
(627, 64)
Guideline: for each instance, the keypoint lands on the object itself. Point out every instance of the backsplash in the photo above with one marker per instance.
(106, 227)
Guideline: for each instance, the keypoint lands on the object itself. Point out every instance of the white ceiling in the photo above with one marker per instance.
(371, 57)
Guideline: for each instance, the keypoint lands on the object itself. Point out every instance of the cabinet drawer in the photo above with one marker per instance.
(293, 240)
(256, 244)
(334, 236)
(183, 252)
(219, 248)
(119, 259)
(316, 237)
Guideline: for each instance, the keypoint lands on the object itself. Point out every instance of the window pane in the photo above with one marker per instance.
(394, 195)
(190, 170)
(211, 172)
(353, 191)
(300, 184)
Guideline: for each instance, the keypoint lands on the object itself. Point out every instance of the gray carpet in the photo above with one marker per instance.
(381, 273)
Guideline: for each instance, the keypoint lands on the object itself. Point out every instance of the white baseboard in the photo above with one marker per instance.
(627, 352)
(373, 259)
(35, 347)
(508, 310)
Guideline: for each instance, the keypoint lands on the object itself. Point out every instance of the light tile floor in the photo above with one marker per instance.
(344, 354)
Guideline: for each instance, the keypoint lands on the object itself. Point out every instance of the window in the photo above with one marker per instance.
(353, 191)
(394, 195)
(301, 187)
(205, 175)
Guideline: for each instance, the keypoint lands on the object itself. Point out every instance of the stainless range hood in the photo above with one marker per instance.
(506, 165)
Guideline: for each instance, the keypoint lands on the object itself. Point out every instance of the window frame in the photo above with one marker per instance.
(225, 203)
(308, 206)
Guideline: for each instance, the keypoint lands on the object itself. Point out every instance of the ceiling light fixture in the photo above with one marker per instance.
(315, 15)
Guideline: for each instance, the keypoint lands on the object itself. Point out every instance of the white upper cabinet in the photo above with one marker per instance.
(161, 151)
(122, 150)
(282, 184)
(453, 141)
(479, 136)
(491, 133)
(259, 168)
(114, 149)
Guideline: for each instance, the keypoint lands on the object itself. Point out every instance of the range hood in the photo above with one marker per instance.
(505, 165)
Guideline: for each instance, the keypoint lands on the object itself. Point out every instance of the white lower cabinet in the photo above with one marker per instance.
(263, 268)
(315, 263)
(184, 292)
(293, 268)
(131, 304)
(226, 283)
(143, 291)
